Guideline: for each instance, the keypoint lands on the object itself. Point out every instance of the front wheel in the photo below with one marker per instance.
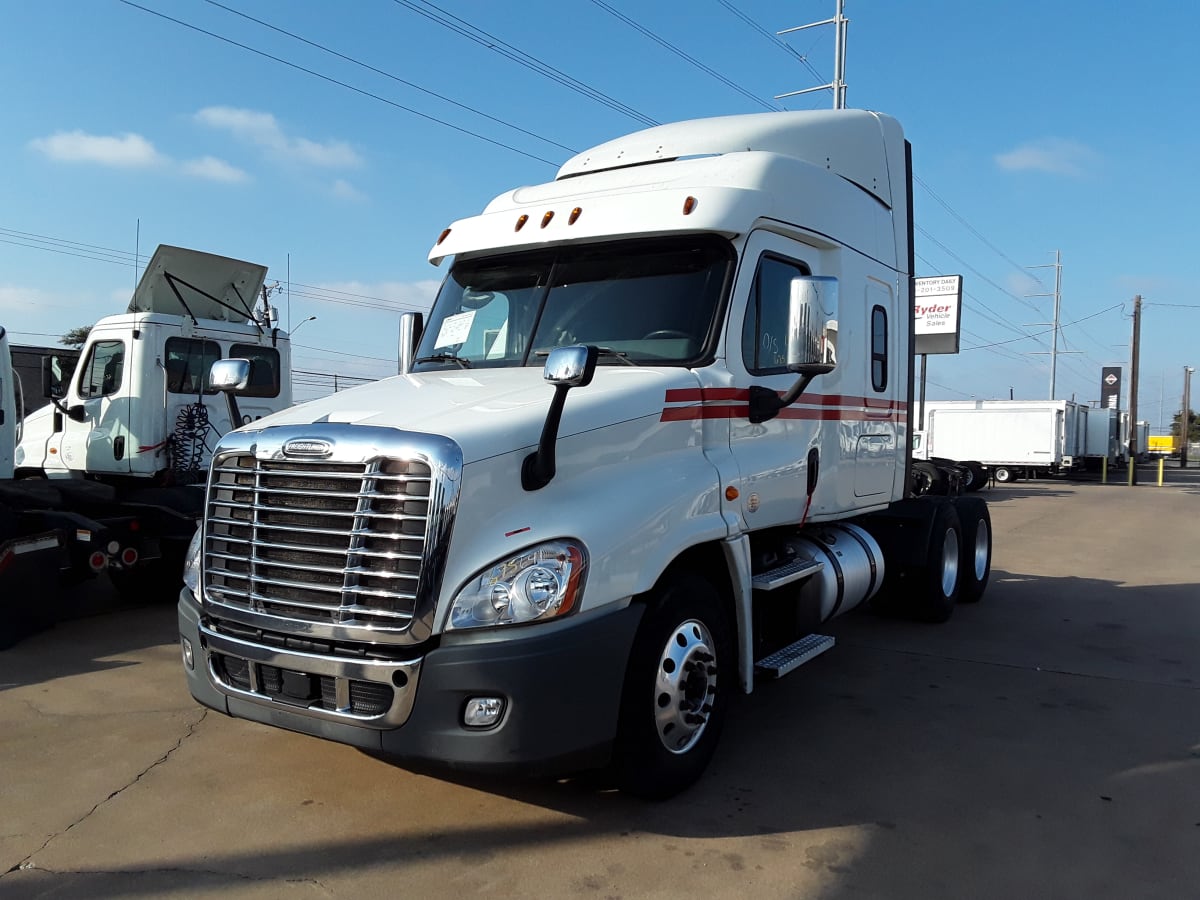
(681, 672)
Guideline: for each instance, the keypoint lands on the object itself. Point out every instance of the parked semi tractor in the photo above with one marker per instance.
(130, 433)
(654, 433)
(35, 536)
(1011, 438)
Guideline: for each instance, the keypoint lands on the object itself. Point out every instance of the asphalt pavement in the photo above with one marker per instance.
(1044, 743)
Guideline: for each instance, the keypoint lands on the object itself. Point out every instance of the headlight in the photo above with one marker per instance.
(191, 564)
(540, 583)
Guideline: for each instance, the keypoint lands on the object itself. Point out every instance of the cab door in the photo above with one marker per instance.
(95, 435)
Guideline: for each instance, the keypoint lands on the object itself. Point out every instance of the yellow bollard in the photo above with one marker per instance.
(1104, 470)
(1160, 471)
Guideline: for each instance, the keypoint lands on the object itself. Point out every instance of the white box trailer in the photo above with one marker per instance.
(1012, 438)
(1103, 438)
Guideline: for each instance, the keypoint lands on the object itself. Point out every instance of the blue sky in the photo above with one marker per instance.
(1036, 126)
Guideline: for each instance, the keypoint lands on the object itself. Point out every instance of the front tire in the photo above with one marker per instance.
(681, 672)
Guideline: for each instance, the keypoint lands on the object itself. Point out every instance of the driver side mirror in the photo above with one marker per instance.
(230, 375)
(52, 378)
(811, 342)
(812, 325)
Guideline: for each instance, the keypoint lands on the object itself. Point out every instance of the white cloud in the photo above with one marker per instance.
(130, 151)
(344, 190)
(1057, 156)
(213, 169)
(263, 130)
(1023, 285)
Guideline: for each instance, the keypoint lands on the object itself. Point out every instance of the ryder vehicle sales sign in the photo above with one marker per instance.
(937, 302)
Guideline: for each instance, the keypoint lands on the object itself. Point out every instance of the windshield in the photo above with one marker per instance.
(649, 303)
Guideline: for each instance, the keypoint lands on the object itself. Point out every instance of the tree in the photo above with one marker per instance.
(76, 337)
(1193, 426)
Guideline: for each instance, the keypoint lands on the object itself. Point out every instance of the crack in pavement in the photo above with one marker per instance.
(175, 870)
(27, 862)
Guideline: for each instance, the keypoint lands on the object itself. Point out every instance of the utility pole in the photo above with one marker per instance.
(1133, 387)
(1057, 295)
(1185, 417)
(838, 85)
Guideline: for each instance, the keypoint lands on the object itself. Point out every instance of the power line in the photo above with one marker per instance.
(528, 60)
(1036, 334)
(334, 81)
(971, 228)
(783, 45)
(959, 259)
(396, 78)
(663, 42)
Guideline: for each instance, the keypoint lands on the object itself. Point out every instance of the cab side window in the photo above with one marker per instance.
(188, 362)
(764, 333)
(101, 375)
(264, 369)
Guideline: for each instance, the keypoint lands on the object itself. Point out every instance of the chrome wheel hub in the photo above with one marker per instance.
(685, 686)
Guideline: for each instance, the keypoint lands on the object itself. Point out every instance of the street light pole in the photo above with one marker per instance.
(297, 328)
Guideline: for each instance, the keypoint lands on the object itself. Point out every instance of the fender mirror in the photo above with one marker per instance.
(566, 367)
(230, 375)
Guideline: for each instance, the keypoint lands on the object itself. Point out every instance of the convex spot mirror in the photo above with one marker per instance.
(230, 375)
(812, 325)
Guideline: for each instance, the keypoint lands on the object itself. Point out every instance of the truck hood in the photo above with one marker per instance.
(488, 412)
(233, 285)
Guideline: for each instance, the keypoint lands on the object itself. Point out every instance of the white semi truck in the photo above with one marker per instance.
(655, 431)
(128, 438)
(1012, 439)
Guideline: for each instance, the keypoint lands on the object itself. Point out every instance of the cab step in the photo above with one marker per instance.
(793, 655)
(786, 574)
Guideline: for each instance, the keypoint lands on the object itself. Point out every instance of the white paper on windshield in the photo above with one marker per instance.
(455, 329)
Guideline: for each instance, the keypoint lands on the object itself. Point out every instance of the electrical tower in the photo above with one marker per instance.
(838, 85)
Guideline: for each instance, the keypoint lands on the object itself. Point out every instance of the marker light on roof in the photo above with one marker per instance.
(574, 215)
(688, 205)
(547, 217)
(521, 220)
(445, 234)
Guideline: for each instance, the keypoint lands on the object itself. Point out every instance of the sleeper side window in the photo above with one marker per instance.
(879, 348)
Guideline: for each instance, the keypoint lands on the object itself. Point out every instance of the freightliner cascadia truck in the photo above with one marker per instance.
(653, 433)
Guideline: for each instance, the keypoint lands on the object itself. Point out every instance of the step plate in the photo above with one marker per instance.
(793, 571)
(794, 655)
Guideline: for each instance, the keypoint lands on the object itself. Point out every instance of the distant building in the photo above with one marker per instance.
(27, 362)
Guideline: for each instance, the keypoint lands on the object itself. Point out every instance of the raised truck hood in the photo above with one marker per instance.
(211, 286)
(493, 411)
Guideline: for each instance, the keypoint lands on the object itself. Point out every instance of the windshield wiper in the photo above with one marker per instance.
(619, 355)
(445, 357)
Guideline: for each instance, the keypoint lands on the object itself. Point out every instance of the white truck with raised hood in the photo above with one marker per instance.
(131, 434)
(653, 434)
(1012, 439)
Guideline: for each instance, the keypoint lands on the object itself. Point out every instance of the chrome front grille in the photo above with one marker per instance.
(322, 542)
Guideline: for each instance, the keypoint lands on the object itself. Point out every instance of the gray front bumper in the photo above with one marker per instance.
(562, 689)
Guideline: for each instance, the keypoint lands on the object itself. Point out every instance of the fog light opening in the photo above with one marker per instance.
(483, 712)
(186, 647)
